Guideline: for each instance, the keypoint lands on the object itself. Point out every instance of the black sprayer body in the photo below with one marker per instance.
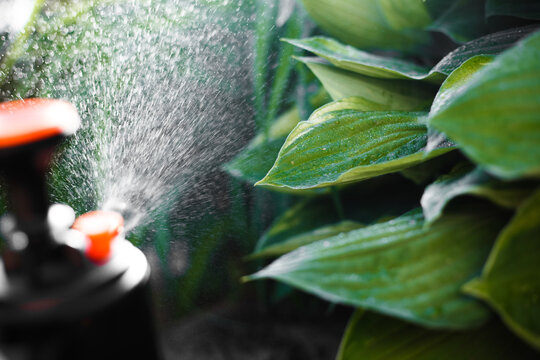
(68, 290)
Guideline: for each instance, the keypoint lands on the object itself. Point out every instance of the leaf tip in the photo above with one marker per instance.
(477, 287)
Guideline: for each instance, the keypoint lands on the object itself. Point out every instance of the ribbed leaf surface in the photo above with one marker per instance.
(495, 117)
(491, 44)
(341, 146)
(362, 62)
(399, 267)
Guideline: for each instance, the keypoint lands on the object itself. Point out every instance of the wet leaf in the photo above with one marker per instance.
(457, 80)
(375, 337)
(393, 94)
(467, 180)
(509, 281)
(398, 267)
(341, 144)
(494, 117)
(491, 44)
(365, 63)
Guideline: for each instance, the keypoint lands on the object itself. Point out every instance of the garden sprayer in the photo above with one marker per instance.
(69, 288)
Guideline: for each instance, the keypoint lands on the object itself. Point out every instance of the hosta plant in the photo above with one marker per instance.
(417, 181)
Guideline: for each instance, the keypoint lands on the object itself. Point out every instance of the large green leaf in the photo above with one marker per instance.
(350, 58)
(365, 63)
(468, 180)
(510, 281)
(393, 94)
(340, 145)
(528, 9)
(491, 44)
(494, 117)
(399, 267)
(375, 337)
(372, 24)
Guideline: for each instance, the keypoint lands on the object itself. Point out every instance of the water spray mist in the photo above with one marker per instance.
(69, 288)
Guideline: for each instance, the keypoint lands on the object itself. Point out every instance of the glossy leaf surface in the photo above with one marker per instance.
(494, 117)
(339, 146)
(362, 62)
(491, 44)
(398, 267)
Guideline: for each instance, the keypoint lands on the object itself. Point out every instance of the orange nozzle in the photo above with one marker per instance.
(26, 121)
(101, 228)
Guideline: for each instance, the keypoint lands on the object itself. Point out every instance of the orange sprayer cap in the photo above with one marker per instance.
(101, 227)
(26, 121)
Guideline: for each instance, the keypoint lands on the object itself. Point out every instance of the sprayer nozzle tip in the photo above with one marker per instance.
(101, 227)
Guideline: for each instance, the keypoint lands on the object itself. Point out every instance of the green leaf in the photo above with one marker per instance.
(294, 242)
(252, 163)
(372, 24)
(494, 117)
(340, 145)
(462, 21)
(527, 9)
(393, 94)
(491, 44)
(365, 63)
(375, 337)
(399, 267)
(467, 180)
(510, 281)
(449, 90)
(457, 80)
